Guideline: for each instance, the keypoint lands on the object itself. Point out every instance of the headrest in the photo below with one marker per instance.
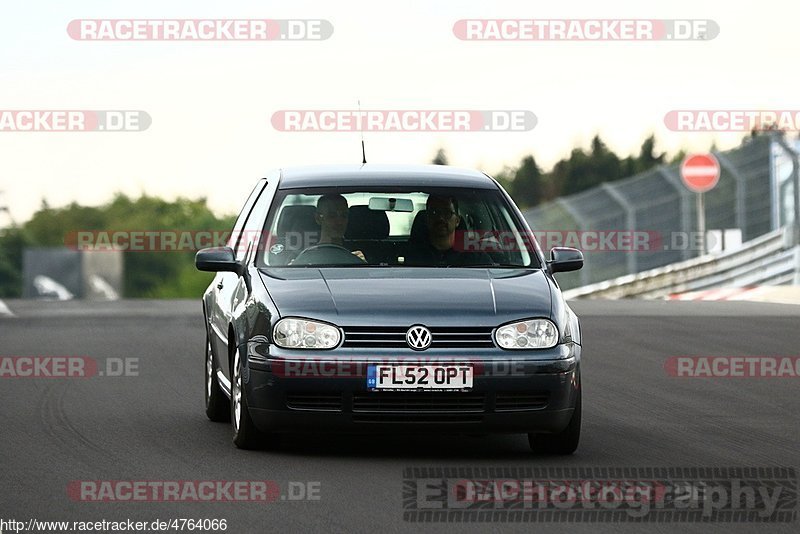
(297, 219)
(419, 228)
(364, 223)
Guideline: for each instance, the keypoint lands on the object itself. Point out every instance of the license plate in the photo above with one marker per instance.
(427, 377)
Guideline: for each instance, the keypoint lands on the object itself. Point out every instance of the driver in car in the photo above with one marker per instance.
(440, 248)
(331, 216)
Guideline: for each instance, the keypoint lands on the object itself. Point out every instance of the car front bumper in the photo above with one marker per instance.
(511, 393)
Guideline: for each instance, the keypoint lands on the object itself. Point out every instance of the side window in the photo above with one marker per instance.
(236, 233)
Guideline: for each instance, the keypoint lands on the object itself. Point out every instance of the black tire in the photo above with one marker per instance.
(218, 406)
(245, 433)
(564, 442)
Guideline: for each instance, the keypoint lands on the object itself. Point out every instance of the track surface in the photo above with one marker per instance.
(152, 426)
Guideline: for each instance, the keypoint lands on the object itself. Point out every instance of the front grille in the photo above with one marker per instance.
(432, 418)
(418, 402)
(395, 337)
(520, 401)
(325, 402)
(414, 406)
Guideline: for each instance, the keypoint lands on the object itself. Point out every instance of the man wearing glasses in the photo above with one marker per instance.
(440, 249)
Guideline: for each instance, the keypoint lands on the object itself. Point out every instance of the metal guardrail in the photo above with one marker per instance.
(771, 259)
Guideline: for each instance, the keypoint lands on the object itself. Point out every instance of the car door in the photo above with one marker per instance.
(252, 236)
(224, 284)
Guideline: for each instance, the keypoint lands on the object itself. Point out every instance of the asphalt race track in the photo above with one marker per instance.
(151, 426)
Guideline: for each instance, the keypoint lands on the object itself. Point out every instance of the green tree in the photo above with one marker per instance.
(527, 187)
(505, 177)
(586, 170)
(440, 158)
(678, 158)
(582, 170)
(647, 155)
(147, 274)
(12, 242)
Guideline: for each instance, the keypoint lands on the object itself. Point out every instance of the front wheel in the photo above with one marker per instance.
(564, 442)
(245, 433)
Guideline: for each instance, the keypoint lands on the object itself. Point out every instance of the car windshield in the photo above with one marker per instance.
(401, 227)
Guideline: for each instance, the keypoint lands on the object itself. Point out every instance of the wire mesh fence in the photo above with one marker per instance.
(657, 204)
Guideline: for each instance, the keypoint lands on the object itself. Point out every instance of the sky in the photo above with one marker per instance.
(211, 102)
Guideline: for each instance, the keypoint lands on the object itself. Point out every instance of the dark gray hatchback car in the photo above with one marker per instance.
(378, 298)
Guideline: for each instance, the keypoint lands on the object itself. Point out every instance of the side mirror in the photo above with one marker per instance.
(565, 259)
(217, 259)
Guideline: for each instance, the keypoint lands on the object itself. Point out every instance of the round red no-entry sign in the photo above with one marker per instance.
(700, 172)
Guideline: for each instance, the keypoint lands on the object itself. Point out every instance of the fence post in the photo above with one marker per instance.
(797, 265)
(741, 210)
(630, 222)
(796, 179)
(575, 214)
(686, 205)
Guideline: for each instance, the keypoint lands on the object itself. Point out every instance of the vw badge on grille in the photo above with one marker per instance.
(418, 337)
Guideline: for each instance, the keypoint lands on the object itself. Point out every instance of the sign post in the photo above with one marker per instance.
(700, 173)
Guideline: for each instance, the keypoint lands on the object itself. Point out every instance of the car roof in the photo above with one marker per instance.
(381, 174)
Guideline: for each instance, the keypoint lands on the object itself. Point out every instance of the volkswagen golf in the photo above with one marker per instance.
(378, 298)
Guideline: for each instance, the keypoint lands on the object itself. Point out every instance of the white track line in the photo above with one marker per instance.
(4, 310)
(774, 294)
(724, 293)
(751, 293)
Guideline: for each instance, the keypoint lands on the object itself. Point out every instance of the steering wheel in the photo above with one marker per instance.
(325, 253)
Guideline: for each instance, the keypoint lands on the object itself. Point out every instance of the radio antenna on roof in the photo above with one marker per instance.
(361, 125)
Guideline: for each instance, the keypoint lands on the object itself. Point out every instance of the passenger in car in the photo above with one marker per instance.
(331, 216)
(440, 248)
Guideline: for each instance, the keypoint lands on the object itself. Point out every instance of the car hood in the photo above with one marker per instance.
(404, 296)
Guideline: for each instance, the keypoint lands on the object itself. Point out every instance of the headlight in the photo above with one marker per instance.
(532, 334)
(293, 333)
